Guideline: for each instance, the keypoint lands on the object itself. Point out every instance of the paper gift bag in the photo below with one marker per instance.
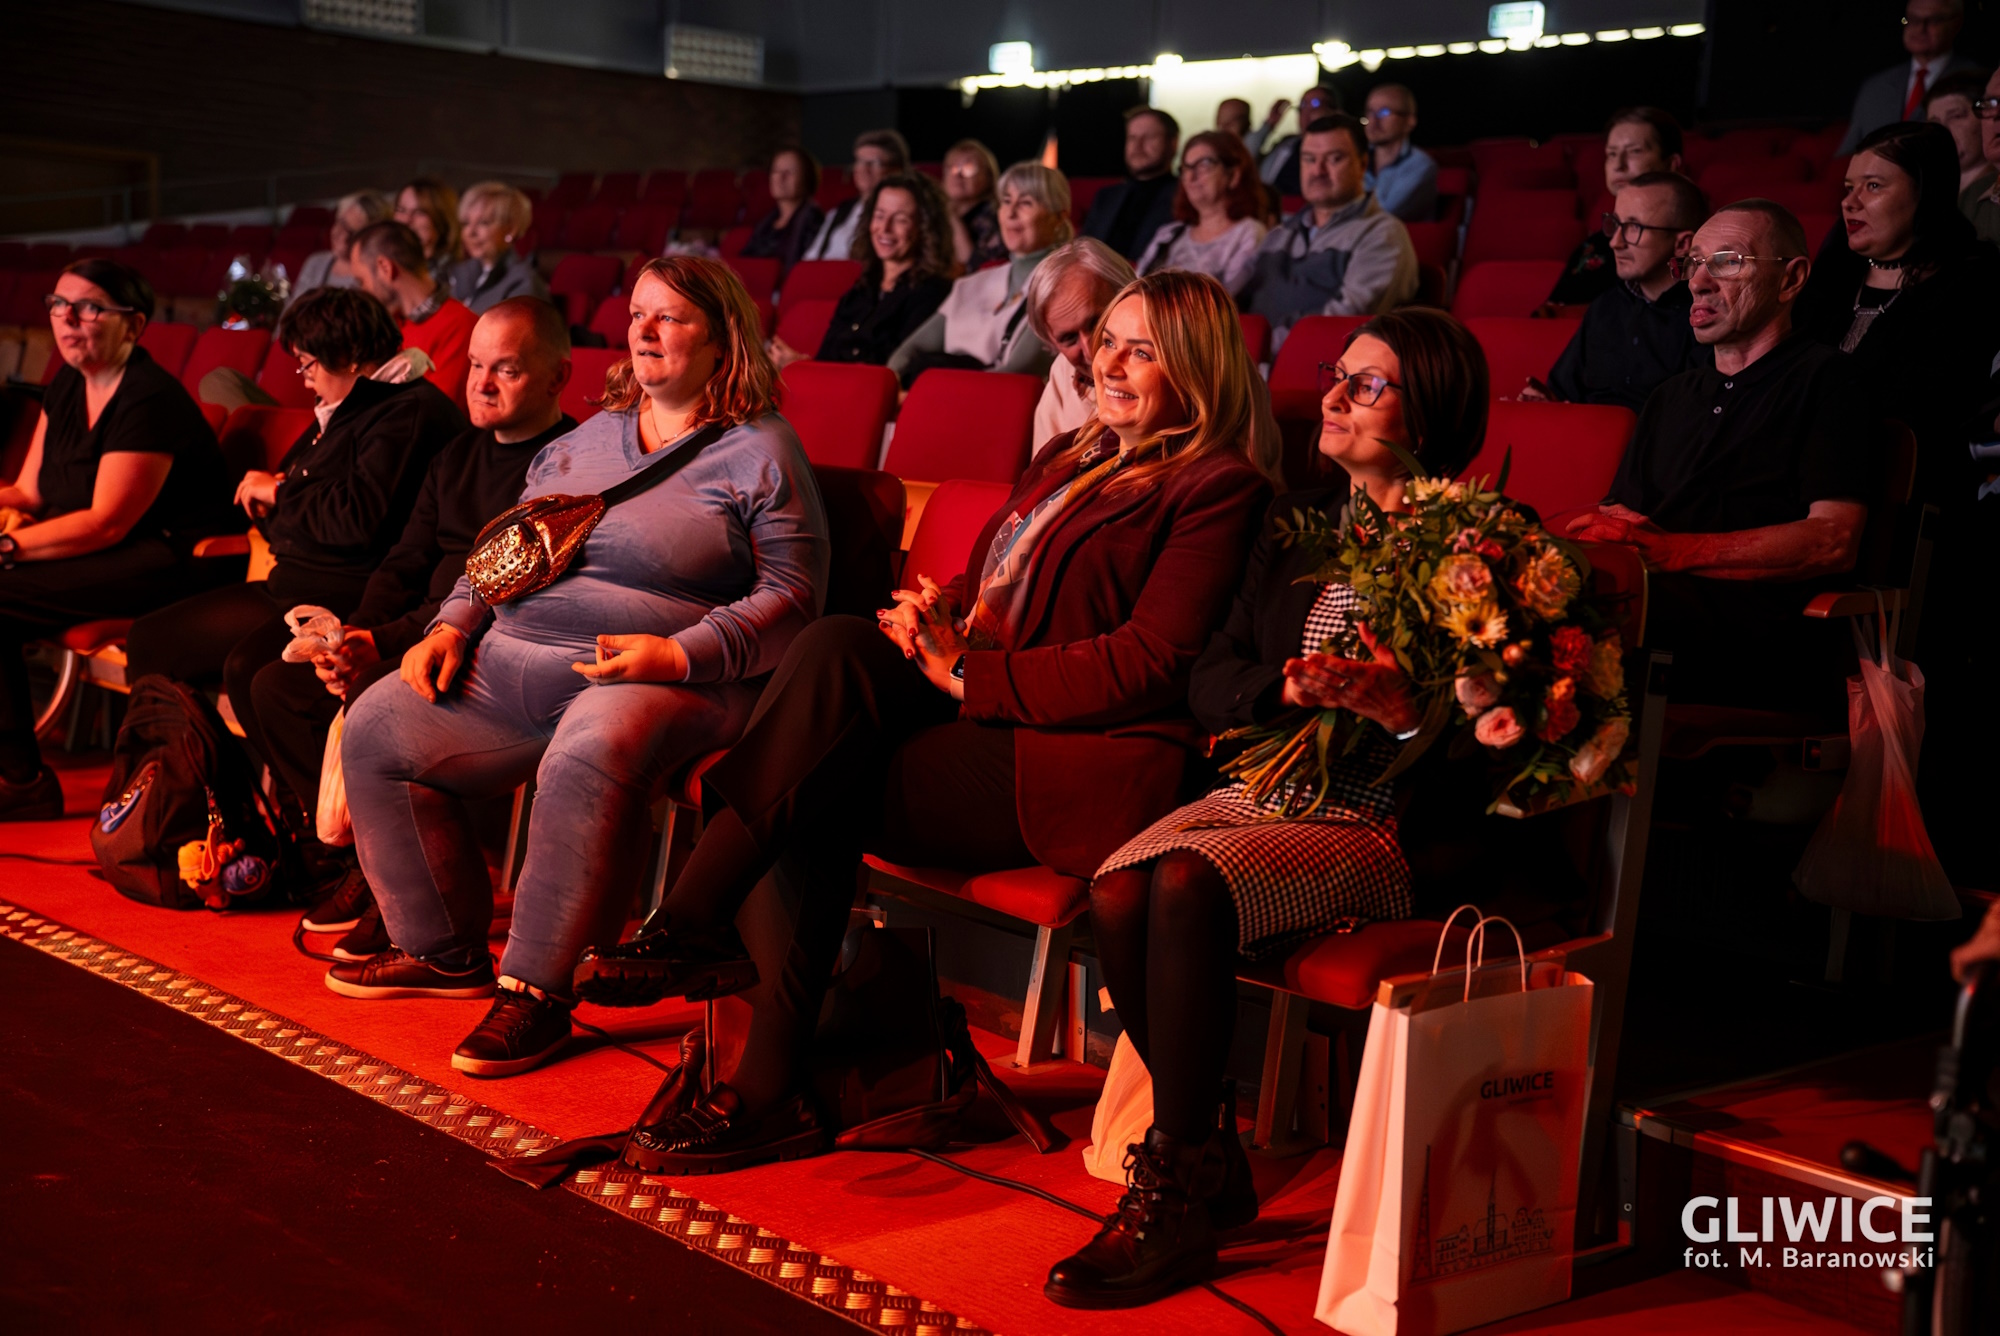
(1457, 1197)
(1124, 1112)
(331, 820)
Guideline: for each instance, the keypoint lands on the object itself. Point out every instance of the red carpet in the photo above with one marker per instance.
(976, 1249)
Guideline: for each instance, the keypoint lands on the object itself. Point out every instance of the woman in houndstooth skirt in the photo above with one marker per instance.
(1177, 905)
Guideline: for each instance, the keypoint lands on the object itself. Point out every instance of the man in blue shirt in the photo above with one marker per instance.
(1402, 176)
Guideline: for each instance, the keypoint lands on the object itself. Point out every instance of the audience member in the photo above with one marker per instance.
(389, 265)
(1127, 216)
(980, 325)
(429, 208)
(1897, 93)
(794, 220)
(905, 278)
(1091, 592)
(1067, 296)
(328, 268)
(491, 215)
(1232, 117)
(1343, 254)
(520, 363)
(598, 686)
(970, 171)
(1281, 164)
(1229, 877)
(1636, 334)
(122, 475)
(877, 153)
(1638, 140)
(1217, 225)
(1403, 176)
(337, 504)
(1983, 206)
(1746, 483)
(1950, 104)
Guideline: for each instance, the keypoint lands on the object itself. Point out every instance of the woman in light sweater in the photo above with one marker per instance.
(983, 325)
(599, 686)
(1217, 225)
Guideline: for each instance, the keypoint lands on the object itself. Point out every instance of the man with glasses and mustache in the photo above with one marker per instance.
(1746, 483)
(1983, 207)
(1897, 93)
(1636, 334)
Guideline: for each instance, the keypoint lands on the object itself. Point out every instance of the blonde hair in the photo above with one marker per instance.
(1044, 185)
(514, 211)
(1201, 353)
(743, 386)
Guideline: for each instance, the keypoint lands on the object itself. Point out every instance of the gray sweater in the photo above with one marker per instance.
(728, 557)
(482, 289)
(1360, 263)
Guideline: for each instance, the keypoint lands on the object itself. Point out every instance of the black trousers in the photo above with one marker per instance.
(41, 598)
(850, 748)
(1745, 643)
(294, 712)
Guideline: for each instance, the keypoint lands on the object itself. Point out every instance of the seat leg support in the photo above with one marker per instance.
(1041, 1010)
(517, 836)
(1284, 1061)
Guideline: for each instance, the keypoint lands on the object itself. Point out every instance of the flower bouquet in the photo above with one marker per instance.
(1487, 615)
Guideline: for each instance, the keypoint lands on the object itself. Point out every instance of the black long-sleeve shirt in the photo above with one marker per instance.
(1627, 347)
(349, 488)
(472, 479)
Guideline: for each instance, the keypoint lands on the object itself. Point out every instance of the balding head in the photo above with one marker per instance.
(1751, 307)
(520, 363)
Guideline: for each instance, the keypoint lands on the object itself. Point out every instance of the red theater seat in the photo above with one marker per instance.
(732, 242)
(1561, 457)
(1741, 178)
(965, 424)
(834, 186)
(760, 276)
(258, 436)
(825, 280)
(1435, 243)
(942, 545)
(580, 282)
(1314, 339)
(586, 380)
(589, 227)
(643, 228)
(802, 326)
(1516, 164)
(1523, 225)
(240, 349)
(1517, 348)
(713, 201)
(665, 187)
(1505, 287)
(1256, 337)
(613, 319)
(1822, 196)
(572, 188)
(169, 344)
(620, 188)
(839, 410)
(1082, 190)
(756, 188)
(1346, 968)
(279, 377)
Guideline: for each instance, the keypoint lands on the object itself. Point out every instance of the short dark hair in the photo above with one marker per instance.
(889, 141)
(550, 328)
(1339, 121)
(1786, 229)
(341, 327)
(1167, 122)
(1666, 130)
(393, 241)
(808, 167)
(1968, 84)
(1925, 152)
(1690, 203)
(124, 285)
(1445, 385)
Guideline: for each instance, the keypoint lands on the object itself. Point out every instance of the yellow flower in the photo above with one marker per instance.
(1547, 583)
(1606, 675)
(1423, 489)
(1462, 578)
(1480, 624)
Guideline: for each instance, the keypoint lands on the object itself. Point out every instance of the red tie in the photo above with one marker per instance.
(1915, 106)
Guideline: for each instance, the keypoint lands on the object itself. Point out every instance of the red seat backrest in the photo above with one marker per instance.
(1517, 348)
(169, 343)
(802, 326)
(241, 349)
(280, 378)
(1083, 189)
(48, 255)
(1454, 181)
(756, 187)
(644, 228)
(822, 279)
(613, 319)
(666, 187)
(1563, 455)
(257, 436)
(864, 520)
(580, 282)
(713, 200)
(834, 186)
(942, 545)
(1519, 165)
(590, 227)
(1295, 374)
(587, 367)
(1505, 287)
(759, 274)
(1821, 196)
(573, 188)
(1741, 178)
(839, 410)
(732, 242)
(1523, 225)
(617, 188)
(965, 424)
(1256, 337)
(216, 415)
(1818, 227)
(1435, 243)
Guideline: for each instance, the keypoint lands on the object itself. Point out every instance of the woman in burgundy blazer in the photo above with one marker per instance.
(1034, 710)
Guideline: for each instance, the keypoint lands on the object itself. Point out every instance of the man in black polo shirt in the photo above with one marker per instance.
(520, 363)
(1636, 334)
(1746, 484)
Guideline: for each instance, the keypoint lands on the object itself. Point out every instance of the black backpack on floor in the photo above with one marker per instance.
(183, 824)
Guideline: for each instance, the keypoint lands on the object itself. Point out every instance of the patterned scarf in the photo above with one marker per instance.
(1002, 603)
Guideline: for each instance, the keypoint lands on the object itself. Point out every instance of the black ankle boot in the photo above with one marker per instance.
(1158, 1240)
(663, 960)
(1234, 1204)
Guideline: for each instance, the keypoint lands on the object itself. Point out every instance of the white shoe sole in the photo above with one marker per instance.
(506, 1066)
(383, 992)
(346, 925)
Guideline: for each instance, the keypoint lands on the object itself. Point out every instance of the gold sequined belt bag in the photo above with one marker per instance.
(527, 547)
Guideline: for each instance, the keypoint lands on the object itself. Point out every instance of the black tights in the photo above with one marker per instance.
(1166, 938)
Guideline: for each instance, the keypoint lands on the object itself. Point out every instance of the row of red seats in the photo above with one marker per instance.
(191, 353)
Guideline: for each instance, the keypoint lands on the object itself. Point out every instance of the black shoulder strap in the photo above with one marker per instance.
(655, 474)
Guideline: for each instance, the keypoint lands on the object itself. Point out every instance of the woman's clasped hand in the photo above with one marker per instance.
(1375, 688)
(924, 626)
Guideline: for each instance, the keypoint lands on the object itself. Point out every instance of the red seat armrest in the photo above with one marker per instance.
(223, 545)
(1856, 602)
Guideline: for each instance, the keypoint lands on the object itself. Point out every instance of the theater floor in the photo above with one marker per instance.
(165, 1175)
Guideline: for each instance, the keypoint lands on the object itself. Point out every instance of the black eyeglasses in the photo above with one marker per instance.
(1383, 114)
(88, 312)
(1196, 166)
(1722, 264)
(1986, 108)
(1363, 387)
(1631, 229)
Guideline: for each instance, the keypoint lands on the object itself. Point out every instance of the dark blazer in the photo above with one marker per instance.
(1124, 594)
(1879, 100)
(1103, 216)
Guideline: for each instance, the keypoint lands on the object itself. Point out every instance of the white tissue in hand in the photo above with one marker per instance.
(315, 631)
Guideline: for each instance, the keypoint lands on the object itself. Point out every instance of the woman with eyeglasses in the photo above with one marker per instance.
(1223, 878)
(122, 476)
(1217, 225)
(970, 171)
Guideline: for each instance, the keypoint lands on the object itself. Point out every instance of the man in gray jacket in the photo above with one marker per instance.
(1342, 254)
(1897, 93)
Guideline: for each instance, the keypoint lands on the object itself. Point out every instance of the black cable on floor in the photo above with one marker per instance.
(612, 1040)
(1001, 1181)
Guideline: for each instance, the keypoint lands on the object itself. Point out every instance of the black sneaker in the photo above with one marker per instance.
(38, 799)
(520, 1033)
(696, 964)
(395, 973)
(368, 938)
(342, 906)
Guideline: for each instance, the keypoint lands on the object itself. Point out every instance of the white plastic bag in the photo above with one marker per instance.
(1871, 853)
(1457, 1197)
(330, 819)
(1124, 1112)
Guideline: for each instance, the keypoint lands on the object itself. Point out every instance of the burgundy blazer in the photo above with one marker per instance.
(1122, 598)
